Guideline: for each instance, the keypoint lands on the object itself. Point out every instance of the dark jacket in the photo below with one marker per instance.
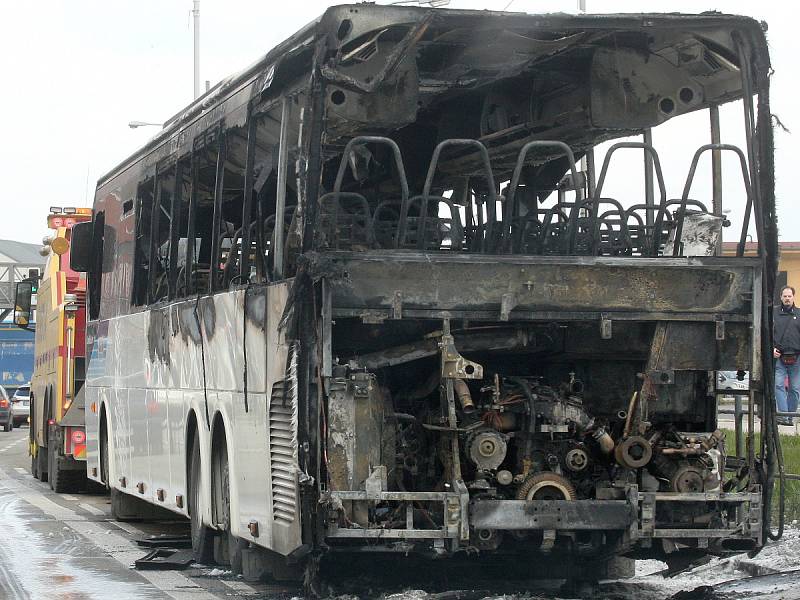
(786, 330)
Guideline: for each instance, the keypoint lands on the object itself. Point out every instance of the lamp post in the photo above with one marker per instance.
(196, 19)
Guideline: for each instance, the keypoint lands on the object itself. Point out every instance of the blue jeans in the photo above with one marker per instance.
(787, 404)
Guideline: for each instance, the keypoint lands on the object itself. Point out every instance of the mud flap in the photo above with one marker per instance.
(164, 559)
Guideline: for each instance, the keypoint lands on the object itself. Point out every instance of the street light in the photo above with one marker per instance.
(135, 124)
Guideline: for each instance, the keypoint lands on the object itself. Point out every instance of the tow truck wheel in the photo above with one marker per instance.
(41, 464)
(61, 480)
(34, 467)
(54, 471)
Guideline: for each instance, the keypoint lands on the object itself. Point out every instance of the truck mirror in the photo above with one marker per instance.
(81, 246)
(22, 303)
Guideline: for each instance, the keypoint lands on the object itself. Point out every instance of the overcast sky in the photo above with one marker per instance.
(76, 72)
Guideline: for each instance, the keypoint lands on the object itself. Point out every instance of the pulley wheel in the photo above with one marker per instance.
(546, 486)
(688, 480)
(633, 452)
(577, 460)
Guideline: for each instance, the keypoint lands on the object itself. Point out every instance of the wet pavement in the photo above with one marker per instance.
(67, 546)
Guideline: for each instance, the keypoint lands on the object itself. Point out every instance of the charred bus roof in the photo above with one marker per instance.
(514, 77)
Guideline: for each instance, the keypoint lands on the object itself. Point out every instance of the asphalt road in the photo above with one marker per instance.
(67, 546)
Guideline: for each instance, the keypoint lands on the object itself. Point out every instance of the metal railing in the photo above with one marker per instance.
(792, 480)
(12, 273)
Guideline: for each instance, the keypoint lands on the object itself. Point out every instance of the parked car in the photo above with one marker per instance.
(22, 404)
(728, 380)
(6, 410)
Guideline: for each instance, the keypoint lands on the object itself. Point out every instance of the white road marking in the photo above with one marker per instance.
(174, 584)
(21, 471)
(71, 498)
(92, 509)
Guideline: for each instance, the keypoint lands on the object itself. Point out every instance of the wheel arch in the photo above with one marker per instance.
(103, 422)
(191, 429)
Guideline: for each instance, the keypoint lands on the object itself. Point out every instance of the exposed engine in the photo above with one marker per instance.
(522, 439)
(508, 438)
(530, 441)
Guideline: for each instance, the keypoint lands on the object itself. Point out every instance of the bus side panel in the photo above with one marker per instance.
(139, 443)
(250, 476)
(120, 437)
(224, 360)
(93, 399)
(282, 405)
(185, 367)
(158, 437)
(222, 342)
(186, 354)
(115, 366)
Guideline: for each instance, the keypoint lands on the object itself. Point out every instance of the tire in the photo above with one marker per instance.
(620, 567)
(34, 467)
(617, 567)
(235, 545)
(50, 451)
(61, 480)
(228, 548)
(9, 426)
(41, 461)
(54, 472)
(202, 536)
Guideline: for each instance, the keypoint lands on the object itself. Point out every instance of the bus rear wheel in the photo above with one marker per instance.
(202, 536)
(228, 548)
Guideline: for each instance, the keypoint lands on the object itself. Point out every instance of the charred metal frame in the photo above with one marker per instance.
(216, 226)
(360, 296)
(477, 276)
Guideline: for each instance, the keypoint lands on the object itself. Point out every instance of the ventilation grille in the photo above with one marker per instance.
(283, 445)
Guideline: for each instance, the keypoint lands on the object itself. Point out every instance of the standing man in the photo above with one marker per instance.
(786, 336)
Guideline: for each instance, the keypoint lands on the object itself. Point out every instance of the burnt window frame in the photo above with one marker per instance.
(140, 287)
(209, 138)
(272, 264)
(216, 220)
(173, 235)
(162, 196)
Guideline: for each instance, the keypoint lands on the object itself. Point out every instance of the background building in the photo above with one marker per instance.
(788, 263)
(18, 261)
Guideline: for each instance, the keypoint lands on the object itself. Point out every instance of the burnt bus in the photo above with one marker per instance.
(369, 295)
